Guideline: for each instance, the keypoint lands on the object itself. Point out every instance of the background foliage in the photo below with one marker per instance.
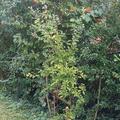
(63, 56)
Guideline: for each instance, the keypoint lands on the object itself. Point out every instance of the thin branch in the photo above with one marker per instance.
(48, 104)
(4, 81)
(54, 107)
(98, 100)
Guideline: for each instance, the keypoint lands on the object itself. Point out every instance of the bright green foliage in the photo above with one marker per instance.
(60, 61)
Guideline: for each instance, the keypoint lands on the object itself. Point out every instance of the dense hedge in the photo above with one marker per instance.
(63, 56)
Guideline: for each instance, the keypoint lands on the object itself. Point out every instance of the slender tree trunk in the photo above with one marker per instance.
(48, 104)
(98, 100)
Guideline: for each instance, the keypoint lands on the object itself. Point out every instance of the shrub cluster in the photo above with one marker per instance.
(63, 55)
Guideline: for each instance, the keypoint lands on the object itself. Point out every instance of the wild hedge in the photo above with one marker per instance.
(63, 56)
